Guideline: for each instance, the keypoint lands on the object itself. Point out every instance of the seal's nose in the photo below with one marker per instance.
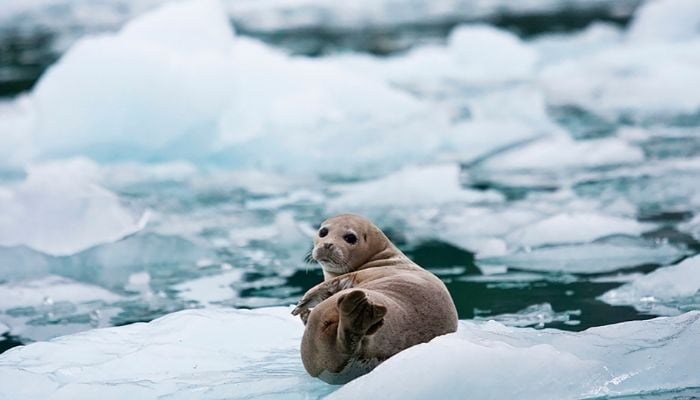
(328, 246)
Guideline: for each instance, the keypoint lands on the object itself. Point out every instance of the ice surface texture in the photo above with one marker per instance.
(236, 354)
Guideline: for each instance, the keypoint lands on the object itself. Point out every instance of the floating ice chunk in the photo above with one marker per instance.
(18, 120)
(537, 315)
(622, 359)
(557, 47)
(210, 289)
(51, 289)
(167, 76)
(575, 228)
(214, 353)
(480, 229)
(420, 186)
(665, 20)
(113, 265)
(672, 189)
(668, 290)
(592, 258)
(477, 55)
(489, 53)
(639, 81)
(59, 210)
(561, 152)
(285, 231)
(178, 91)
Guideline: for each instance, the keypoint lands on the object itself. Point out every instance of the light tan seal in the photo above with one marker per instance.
(373, 303)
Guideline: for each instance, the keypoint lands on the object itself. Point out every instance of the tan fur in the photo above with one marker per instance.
(373, 303)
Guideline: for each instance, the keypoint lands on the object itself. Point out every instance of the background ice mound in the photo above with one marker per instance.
(163, 77)
(242, 354)
(181, 85)
(59, 210)
(623, 359)
(666, 291)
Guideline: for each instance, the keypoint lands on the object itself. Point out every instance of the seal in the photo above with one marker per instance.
(373, 303)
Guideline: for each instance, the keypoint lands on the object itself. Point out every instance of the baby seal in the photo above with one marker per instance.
(373, 302)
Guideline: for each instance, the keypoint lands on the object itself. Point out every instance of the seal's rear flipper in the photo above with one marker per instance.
(358, 317)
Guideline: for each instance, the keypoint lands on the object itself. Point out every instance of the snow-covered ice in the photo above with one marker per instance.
(241, 354)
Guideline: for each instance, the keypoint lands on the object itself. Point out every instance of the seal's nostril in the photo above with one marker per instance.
(328, 245)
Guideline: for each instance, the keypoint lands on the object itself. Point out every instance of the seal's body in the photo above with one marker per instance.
(373, 303)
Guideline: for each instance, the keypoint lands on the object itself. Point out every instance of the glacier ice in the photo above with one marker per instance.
(60, 197)
(665, 291)
(219, 353)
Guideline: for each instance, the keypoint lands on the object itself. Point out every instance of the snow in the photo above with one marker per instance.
(665, 291)
(60, 197)
(219, 353)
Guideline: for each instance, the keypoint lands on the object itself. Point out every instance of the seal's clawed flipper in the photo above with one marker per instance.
(359, 317)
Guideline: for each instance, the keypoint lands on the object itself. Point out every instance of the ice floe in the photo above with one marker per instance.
(536, 315)
(622, 359)
(50, 290)
(60, 197)
(665, 291)
(239, 354)
(423, 186)
(575, 228)
(604, 255)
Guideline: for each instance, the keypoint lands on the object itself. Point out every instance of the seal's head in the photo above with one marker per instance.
(347, 242)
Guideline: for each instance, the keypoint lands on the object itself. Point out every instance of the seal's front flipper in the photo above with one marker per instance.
(359, 317)
(321, 292)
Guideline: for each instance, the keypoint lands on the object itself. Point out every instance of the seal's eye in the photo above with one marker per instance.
(350, 238)
(323, 232)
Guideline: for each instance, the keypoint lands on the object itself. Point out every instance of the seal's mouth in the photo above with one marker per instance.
(330, 259)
